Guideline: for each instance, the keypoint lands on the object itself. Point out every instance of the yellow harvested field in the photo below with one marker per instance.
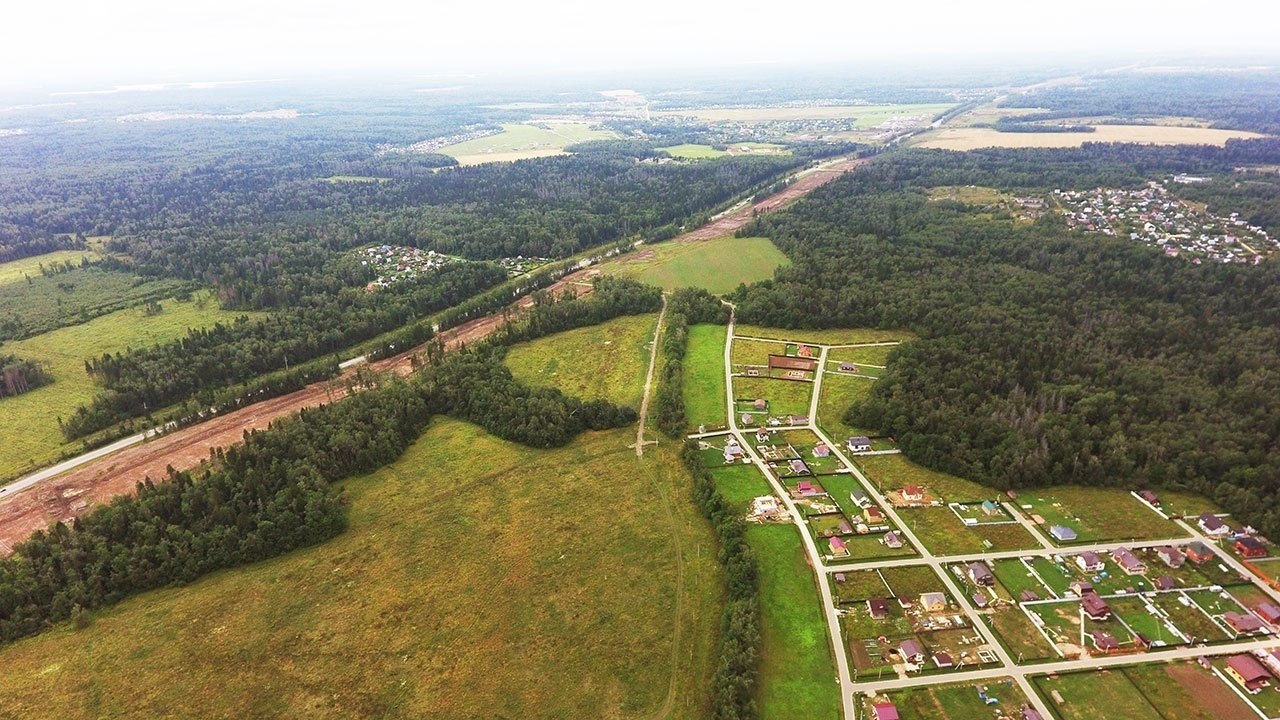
(974, 138)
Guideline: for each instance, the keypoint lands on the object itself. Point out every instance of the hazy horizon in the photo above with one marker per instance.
(78, 45)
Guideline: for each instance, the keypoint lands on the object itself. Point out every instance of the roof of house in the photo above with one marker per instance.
(892, 539)
(943, 659)
(1089, 558)
(1269, 612)
(913, 489)
(1209, 521)
(885, 711)
(980, 599)
(1028, 596)
(878, 606)
(1198, 548)
(1165, 582)
(1030, 713)
(1062, 532)
(1105, 640)
(1127, 559)
(786, 362)
(859, 440)
(979, 570)
(933, 598)
(1248, 668)
(804, 485)
(1094, 606)
(911, 648)
(1250, 543)
(1242, 623)
(837, 545)
(798, 466)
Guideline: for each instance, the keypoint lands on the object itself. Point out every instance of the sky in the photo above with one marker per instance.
(70, 42)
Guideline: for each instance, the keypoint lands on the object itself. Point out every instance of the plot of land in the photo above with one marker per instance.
(467, 549)
(521, 141)
(943, 533)
(889, 472)
(1097, 514)
(696, 152)
(830, 336)
(606, 361)
(785, 397)
(718, 266)
(974, 138)
(29, 422)
(838, 393)
(796, 668)
(69, 298)
(704, 390)
(1105, 695)
(957, 702)
(872, 355)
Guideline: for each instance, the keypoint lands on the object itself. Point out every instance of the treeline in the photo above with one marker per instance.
(610, 298)
(734, 687)
(1045, 356)
(34, 243)
(206, 360)
(19, 375)
(686, 306)
(274, 493)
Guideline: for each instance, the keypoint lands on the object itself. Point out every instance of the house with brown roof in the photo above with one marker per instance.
(1242, 624)
(1164, 582)
(878, 608)
(1104, 641)
(1250, 547)
(1080, 587)
(1268, 612)
(1171, 556)
(911, 651)
(980, 600)
(1212, 525)
(874, 515)
(1248, 672)
(821, 450)
(943, 660)
(913, 493)
(1030, 713)
(1095, 607)
(1128, 562)
(980, 574)
(1090, 562)
(1149, 497)
(1028, 596)
(1198, 552)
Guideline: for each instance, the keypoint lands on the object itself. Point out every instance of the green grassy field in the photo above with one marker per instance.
(1096, 696)
(19, 270)
(956, 702)
(29, 422)
(704, 390)
(754, 352)
(838, 393)
(874, 355)
(520, 141)
(718, 266)
(1098, 514)
(833, 336)
(477, 579)
(606, 361)
(890, 472)
(797, 674)
(943, 533)
(785, 397)
(1182, 503)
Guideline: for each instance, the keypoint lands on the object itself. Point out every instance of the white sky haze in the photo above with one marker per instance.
(79, 41)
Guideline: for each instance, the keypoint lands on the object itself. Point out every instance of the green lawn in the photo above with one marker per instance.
(753, 352)
(19, 270)
(838, 393)
(606, 361)
(1098, 514)
(834, 336)
(519, 141)
(797, 673)
(1019, 636)
(874, 355)
(943, 533)
(956, 702)
(739, 484)
(1094, 695)
(694, 152)
(891, 472)
(704, 393)
(786, 397)
(477, 579)
(29, 422)
(719, 265)
(1184, 503)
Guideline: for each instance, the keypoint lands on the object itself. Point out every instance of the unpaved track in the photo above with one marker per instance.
(66, 496)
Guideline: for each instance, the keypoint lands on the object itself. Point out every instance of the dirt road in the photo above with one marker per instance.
(66, 496)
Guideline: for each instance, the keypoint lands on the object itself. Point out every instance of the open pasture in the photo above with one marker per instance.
(466, 547)
(718, 266)
(704, 385)
(606, 361)
(522, 141)
(974, 138)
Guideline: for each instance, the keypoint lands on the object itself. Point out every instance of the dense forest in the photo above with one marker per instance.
(1045, 356)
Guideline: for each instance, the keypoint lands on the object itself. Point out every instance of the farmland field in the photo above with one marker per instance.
(704, 390)
(718, 266)
(29, 422)
(466, 548)
(974, 138)
(1184, 691)
(797, 673)
(867, 116)
(874, 355)
(522, 141)
(1096, 696)
(606, 361)
(19, 270)
(69, 298)
(753, 352)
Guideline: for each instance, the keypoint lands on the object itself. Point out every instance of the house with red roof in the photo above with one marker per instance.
(1268, 612)
(1248, 672)
(1198, 552)
(838, 547)
(1242, 624)
(884, 711)
(1095, 607)
(913, 493)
